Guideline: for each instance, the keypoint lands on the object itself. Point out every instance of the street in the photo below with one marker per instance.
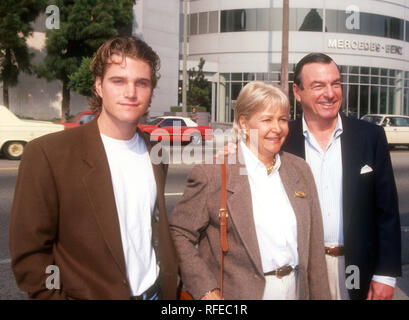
(174, 188)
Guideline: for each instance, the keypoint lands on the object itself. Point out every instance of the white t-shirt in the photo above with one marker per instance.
(135, 196)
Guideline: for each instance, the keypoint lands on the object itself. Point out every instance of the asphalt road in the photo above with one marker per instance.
(174, 188)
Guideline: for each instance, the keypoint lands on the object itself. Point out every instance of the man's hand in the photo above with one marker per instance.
(213, 295)
(229, 148)
(380, 291)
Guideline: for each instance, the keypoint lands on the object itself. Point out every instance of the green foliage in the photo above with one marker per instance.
(15, 19)
(199, 91)
(84, 26)
(81, 81)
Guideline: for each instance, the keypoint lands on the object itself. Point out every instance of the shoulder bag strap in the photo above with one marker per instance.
(223, 215)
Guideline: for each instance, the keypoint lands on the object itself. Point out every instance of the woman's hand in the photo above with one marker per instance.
(230, 148)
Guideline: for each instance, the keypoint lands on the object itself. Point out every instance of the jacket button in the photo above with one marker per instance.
(125, 282)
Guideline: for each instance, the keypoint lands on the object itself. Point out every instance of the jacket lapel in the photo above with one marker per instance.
(240, 208)
(98, 184)
(294, 143)
(291, 183)
(350, 142)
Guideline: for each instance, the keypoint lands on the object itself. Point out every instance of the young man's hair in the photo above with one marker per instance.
(315, 57)
(124, 47)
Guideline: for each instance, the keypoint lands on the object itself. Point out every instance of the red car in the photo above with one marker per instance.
(180, 129)
(81, 118)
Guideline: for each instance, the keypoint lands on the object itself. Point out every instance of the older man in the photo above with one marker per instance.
(352, 169)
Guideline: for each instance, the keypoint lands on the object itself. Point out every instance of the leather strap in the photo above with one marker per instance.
(281, 272)
(223, 215)
(335, 251)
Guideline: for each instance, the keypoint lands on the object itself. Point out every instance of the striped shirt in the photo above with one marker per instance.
(326, 166)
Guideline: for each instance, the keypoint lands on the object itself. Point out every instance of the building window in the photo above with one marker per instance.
(364, 102)
(365, 90)
(406, 102)
(193, 20)
(238, 20)
(306, 19)
(407, 30)
(300, 19)
(383, 100)
(203, 22)
(369, 24)
(270, 19)
(213, 21)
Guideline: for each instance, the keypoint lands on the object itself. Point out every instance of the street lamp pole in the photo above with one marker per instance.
(184, 85)
(284, 48)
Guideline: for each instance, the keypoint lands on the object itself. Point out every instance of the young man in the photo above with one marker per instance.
(353, 173)
(85, 198)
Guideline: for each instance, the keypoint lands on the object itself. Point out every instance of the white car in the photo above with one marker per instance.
(15, 133)
(396, 127)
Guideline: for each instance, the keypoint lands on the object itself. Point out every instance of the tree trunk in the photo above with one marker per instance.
(5, 94)
(65, 105)
(284, 48)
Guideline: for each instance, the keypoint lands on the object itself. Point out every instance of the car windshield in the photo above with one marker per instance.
(71, 119)
(373, 119)
(154, 121)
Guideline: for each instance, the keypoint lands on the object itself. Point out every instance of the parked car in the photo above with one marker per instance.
(15, 133)
(396, 127)
(172, 128)
(80, 119)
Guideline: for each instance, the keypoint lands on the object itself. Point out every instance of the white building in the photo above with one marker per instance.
(241, 41)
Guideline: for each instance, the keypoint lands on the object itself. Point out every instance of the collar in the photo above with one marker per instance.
(253, 164)
(337, 131)
(127, 144)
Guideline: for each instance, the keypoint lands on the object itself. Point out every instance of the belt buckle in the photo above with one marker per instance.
(280, 272)
(223, 211)
(329, 249)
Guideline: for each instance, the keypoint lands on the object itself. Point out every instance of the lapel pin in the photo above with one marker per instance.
(299, 194)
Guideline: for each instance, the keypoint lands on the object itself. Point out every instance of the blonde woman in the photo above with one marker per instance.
(275, 233)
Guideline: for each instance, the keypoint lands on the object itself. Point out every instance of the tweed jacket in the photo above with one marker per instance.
(64, 214)
(194, 226)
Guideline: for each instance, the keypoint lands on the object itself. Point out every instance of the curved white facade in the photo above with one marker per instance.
(368, 39)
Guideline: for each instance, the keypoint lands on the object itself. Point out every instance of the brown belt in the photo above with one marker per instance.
(281, 272)
(334, 251)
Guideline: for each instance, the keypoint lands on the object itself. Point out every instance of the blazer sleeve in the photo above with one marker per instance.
(188, 224)
(387, 212)
(33, 224)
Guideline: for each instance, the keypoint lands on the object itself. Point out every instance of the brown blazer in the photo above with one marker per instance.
(64, 214)
(195, 221)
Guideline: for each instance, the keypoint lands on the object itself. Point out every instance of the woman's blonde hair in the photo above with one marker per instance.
(254, 97)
